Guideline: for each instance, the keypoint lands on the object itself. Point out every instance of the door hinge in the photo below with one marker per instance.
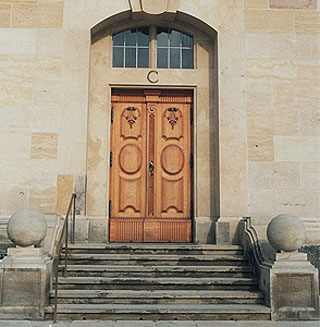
(191, 209)
(191, 115)
(110, 208)
(191, 160)
(111, 155)
(112, 115)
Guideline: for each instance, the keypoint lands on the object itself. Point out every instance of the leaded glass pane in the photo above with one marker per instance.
(187, 58)
(143, 57)
(162, 58)
(130, 37)
(175, 39)
(175, 58)
(162, 37)
(130, 57)
(143, 36)
(117, 57)
(187, 41)
(118, 39)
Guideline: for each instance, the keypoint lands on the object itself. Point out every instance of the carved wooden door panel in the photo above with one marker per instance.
(151, 171)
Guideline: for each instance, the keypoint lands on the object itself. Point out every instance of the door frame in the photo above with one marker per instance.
(192, 146)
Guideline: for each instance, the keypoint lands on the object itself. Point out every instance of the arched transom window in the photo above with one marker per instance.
(134, 48)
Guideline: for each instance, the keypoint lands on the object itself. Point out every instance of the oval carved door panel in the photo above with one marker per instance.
(150, 176)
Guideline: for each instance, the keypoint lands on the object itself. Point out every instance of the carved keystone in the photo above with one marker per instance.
(154, 7)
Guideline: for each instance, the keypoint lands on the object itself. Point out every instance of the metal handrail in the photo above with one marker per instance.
(64, 239)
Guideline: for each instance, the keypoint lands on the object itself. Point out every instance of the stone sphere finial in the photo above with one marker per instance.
(286, 233)
(27, 227)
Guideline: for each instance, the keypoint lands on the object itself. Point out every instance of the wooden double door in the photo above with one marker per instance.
(151, 166)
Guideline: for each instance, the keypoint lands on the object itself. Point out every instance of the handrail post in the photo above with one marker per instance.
(56, 289)
(73, 218)
(64, 234)
(65, 273)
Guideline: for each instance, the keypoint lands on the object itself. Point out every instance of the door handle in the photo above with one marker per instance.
(151, 168)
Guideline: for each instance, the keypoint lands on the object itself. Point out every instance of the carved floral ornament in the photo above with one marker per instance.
(153, 7)
(172, 117)
(130, 115)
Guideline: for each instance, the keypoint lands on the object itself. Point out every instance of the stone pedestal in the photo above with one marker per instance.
(293, 287)
(25, 283)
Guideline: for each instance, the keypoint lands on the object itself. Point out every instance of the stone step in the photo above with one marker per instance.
(108, 283)
(144, 259)
(152, 248)
(157, 271)
(160, 312)
(157, 297)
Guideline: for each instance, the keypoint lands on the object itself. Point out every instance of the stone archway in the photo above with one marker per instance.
(202, 80)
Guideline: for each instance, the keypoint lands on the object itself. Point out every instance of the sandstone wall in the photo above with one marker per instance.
(269, 89)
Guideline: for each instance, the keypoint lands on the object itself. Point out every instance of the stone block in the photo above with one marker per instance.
(15, 145)
(282, 46)
(48, 67)
(81, 229)
(285, 122)
(43, 15)
(257, 45)
(64, 192)
(227, 230)
(259, 94)
(97, 230)
(310, 176)
(307, 22)
(308, 72)
(256, 4)
(309, 122)
(80, 190)
(293, 4)
(260, 147)
(266, 21)
(18, 41)
(43, 117)
(47, 92)
(273, 175)
(307, 47)
(303, 203)
(25, 284)
(20, 287)
(282, 22)
(296, 148)
(17, 198)
(42, 198)
(204, 230)
(44, 146)
(298, 96)
(49, 42)
(293, 288)
(257, 21)
(5, 15)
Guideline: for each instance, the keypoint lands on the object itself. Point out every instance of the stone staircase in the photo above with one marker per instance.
(158, 281)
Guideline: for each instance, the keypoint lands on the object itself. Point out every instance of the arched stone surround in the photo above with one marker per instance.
(213, 197)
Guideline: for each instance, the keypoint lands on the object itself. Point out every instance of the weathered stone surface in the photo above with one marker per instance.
(293, 4)
(97, 229)
(27, 227)
(21, 287)
(286, 233)
(43, 199)
(313, 252)
(64, 192)
(5, 14)
(43, 15)
(44, 146)
(80, 190)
